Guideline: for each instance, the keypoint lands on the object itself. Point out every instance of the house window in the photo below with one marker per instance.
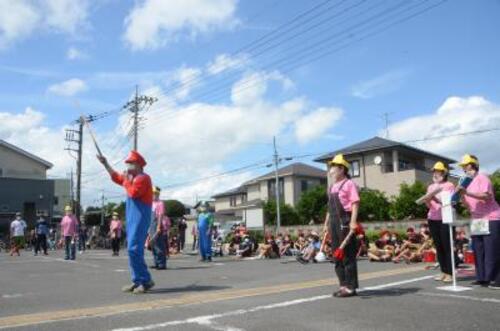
(243, 198)
(56, 201)
(232, 201)
(271, 185)
(304, 185)
(404, 165)
(354, 171)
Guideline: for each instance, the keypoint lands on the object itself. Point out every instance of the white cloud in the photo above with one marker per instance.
(74, 53)
(17, 20)
(383, 84)
(186, 79)
(27, 131)
(154, 23)
(68, 88)
(456, 115)
(224, 62)
(66, 16)
(21, 18)
(315, 124)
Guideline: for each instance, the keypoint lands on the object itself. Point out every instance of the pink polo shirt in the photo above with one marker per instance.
(434, 213)
(158, 209)
(116, 227)
(488, 209)
(68, 226)
(348, 194)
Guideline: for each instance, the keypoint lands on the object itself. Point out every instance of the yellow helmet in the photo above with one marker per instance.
(115, 214)
(156, 189)
(468, 159)
(339, 160)
(68, 208)
(439, 166)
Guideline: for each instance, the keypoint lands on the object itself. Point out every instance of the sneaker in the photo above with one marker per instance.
(440, 277)
(129, 288)
(494, 286)
(141, 289)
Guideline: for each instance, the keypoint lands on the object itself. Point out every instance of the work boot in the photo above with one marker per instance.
(129, 288)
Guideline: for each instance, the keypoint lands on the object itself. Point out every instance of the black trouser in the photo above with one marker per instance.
(195, 243)
(347, 269)
(440, 234)
(115, 245)
(181, 241)
(41, 240)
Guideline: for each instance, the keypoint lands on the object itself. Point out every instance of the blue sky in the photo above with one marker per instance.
(93, 53)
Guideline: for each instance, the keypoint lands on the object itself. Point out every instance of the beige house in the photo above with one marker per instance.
(383, 164)
(18, 163)
(294, 180)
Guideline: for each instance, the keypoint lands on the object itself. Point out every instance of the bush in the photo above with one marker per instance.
(495, 179)
(288, 214)
(174, 208)
(313, 205)
(404, 205)
(374, 206)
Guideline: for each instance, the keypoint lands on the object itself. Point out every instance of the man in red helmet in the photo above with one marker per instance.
(138, 211)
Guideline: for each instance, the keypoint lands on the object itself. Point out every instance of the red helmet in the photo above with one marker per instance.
(135, 157)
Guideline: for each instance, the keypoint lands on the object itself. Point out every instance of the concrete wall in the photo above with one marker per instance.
(16, 165)
(62, 193)
(222, 203)
(289, 189)
(253, 192)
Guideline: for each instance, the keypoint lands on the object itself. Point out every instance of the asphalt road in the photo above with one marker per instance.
(48, 293)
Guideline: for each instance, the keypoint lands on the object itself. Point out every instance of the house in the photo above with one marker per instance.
(294, 179)
(383, 164)
(24, 186)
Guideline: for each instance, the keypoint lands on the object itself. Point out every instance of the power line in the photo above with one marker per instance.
(298, 62)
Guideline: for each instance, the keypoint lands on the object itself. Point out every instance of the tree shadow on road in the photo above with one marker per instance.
(189, 288)
(391, 292)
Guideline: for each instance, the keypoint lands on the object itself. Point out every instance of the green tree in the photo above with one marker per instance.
(174, 208)
(289, 215)
(495, 179)
(313, 205)
(404, 206)
(374, 206)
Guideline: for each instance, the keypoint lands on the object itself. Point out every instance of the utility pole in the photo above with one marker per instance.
(135, 106)
(76, 137)
(386, 123)
(277, 186)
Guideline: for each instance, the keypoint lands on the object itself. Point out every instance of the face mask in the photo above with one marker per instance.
(470, 172)
(437, 178)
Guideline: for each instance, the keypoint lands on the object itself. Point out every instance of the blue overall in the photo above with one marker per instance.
(138, 215)
(204, 232)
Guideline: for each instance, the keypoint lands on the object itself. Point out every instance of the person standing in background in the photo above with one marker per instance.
(42, 231)
(181, 234)
(205, 224)
(82, 235)
(194, 233)
(16, 235)
(69, 233)
(115, 233)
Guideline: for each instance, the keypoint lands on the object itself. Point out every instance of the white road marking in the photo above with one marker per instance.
(11, 296)
(207, 320)
(463, 297)
(120, 270)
